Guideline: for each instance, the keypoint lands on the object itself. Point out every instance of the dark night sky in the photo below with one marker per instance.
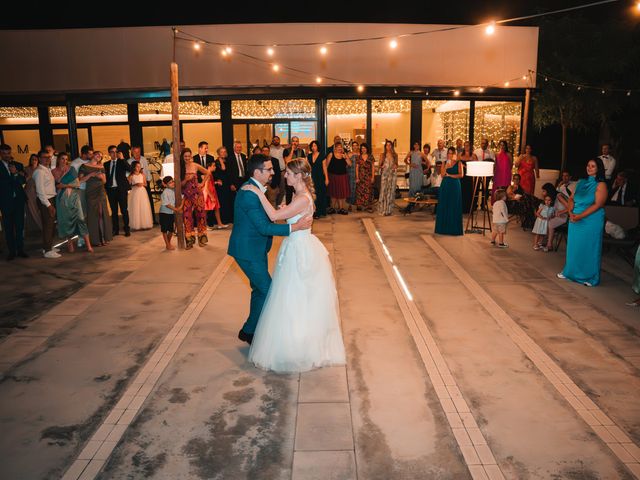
(57, 14)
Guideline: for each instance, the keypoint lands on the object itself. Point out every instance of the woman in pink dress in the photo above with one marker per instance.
(502, 168)
(527, 166)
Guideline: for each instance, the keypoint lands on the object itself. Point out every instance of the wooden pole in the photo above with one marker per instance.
(175, 130)
(525, 121)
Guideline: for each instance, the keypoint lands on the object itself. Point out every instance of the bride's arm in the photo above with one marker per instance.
(291, 210)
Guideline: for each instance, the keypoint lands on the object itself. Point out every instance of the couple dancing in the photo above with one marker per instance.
(293, 323)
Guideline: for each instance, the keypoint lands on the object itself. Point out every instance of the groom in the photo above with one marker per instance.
(251, 239)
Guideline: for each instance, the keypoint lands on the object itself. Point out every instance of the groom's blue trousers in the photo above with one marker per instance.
(258, 274)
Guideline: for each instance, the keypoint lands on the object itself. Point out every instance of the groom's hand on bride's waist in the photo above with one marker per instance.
(303, 224)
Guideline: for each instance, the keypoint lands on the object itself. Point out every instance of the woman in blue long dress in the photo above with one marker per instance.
(71, 219)
(417, 162)
(319, 176)
(586, 225)
(449, 213)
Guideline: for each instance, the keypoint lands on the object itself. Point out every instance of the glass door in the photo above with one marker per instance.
(260, 134)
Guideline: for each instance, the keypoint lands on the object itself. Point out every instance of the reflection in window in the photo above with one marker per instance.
(194, 133)
(497, 121)
(161, 111)
(102, 113)
(152, 138)
(260, 134)
(61, 141)
(240, 135)
(346, 119)
(391, 120)
(445, 119)
(105, 135)
(305, 131)
(18, 115)
(273, 109)
(23, 143)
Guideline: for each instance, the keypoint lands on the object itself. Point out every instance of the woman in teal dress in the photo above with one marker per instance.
(69, 212)
(449, 213)
(319, 176)
(586, 225)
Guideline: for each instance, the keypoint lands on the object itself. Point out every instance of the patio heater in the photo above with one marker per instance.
(480, 171)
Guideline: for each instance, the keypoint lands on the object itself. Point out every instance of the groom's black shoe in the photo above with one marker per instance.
(245, 337)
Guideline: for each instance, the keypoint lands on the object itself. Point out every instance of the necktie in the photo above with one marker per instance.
(240, 165)
(112, 173)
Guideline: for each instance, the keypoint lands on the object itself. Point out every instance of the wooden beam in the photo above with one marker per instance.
(525, 121)
(175, 130)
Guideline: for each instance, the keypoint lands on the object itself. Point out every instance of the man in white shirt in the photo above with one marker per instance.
(54, 157)
(144, 164)
(277, 151)
(46, 192)
(169, 158)
(484, 153)
(440, 153)
(566, 186)
(609, 162)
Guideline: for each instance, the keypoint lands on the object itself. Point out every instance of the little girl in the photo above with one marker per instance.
(140, 216)
(543, 215)
(500, 219)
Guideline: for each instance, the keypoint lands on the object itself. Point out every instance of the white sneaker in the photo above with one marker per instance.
(222, 227)
(560, 275)
(52, 254)
(588, 284)
(211, 228)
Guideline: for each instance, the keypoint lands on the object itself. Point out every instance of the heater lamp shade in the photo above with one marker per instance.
(167, 170)
(479, 169)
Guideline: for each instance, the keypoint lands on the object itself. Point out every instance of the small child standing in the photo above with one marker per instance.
(500, 219)
(167, 209)
(543, 215)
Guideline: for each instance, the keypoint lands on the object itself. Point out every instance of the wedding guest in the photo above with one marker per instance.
(418, 162)
(223, 185)
(33, 218)
(118, 186)
(125, 148)
(320, 177)
(502, 168)
(165, 148)
(86, 152)
(459, 147)
(71, 218)
(560, 217)
(168, 208)
(527, 165)
(364, 179)
(97, 216)
(608, 161)
(544, 213)
(337, 139)
(169, 158)
(273, 187)
(500, 219)
(466, 184)
(139, 209)
(449, 212)
(62, 166)
(351, 171)
(211, 200)
(388, 181)
(565, 185)
(54, 158)
(237, 167)
(46, 192)
(193, 201)
(277, 151)
(337, 167)
(12, 202)
(146, 171)
(586, 225)
(434, 181)
(635, 286)
(621, 193)
(296, 150)
(484, 153)
(439, 153)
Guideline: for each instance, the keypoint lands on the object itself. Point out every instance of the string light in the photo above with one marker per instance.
(490, 29)
(393, 44)
(481, 89)
(456, 93)
(300, 108)
(270, 51)
(360, 88)
(197, 46)
(23, 112)
(224, 53)
(506, 84)
(275, 67)
(318, 79)
(349, 107)
(229, 50)
(323, 51)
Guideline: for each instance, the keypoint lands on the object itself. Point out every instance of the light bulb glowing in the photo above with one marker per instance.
(490, 29)
(318, 80)
(456, 93)
(275, 67)
(196, 46)
(224, 53)
(270, 51)
(393, 44)
(524, 77)
(361, 88)
(323, 50)
(481, 89)
(229, 50)
(506, 84)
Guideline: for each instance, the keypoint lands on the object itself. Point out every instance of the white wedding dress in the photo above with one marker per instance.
(299, 328)
(140, 217)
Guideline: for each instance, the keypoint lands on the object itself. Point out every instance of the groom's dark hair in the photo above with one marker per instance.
(256, 162)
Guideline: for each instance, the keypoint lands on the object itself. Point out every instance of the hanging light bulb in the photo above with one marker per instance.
(323, 50)
(603, 92)
(275, 67)
(546, 79)
(196, 46)
(360, 88)
(229, 50)
(490, 29)
(579, 87)
(524, 77)
(481, 89)
(427, 93)
(393, 44)
(395, 90)
(563, 84)
(224, 53)
(456, 93)
(270, 51)
(318, 79)
(506, 84)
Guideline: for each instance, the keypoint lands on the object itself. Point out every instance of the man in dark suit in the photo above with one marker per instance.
(274, 184)
(621, 192)
(237, 167)
(12, 202)
(118, 188)
(203, 158)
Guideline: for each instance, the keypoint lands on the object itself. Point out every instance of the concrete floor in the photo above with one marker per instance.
(133, 370)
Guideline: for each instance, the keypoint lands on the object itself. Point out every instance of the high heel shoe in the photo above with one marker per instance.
(202, 240)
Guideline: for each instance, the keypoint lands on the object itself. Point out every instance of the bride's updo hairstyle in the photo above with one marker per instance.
(301, 165)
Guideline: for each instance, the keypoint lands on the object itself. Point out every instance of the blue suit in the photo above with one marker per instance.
(249, 244)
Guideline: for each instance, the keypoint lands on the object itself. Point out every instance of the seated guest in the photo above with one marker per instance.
(621, 192)
(434, 181)
(565, 185)
(522, 204)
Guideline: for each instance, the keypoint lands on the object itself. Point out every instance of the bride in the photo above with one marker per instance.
(299, 328)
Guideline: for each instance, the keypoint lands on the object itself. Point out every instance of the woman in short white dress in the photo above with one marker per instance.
(140, 217)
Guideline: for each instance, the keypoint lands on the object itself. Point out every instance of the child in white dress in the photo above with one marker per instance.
(140, 217)
(543, 215)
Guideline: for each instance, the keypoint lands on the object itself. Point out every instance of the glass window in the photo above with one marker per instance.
(391, 120)
(105, 135)
(102, 113)
(23, 143)
(346, 119)
(282, 130)
(305, 131)
(152, 138)
(61, 140)
(497, 121)
(83, 137)
(445, 119)
(18, 115)
(273, 109)
(58, 114)
(194, 133)
(260, 134)
(161, 111)
(240, 135)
